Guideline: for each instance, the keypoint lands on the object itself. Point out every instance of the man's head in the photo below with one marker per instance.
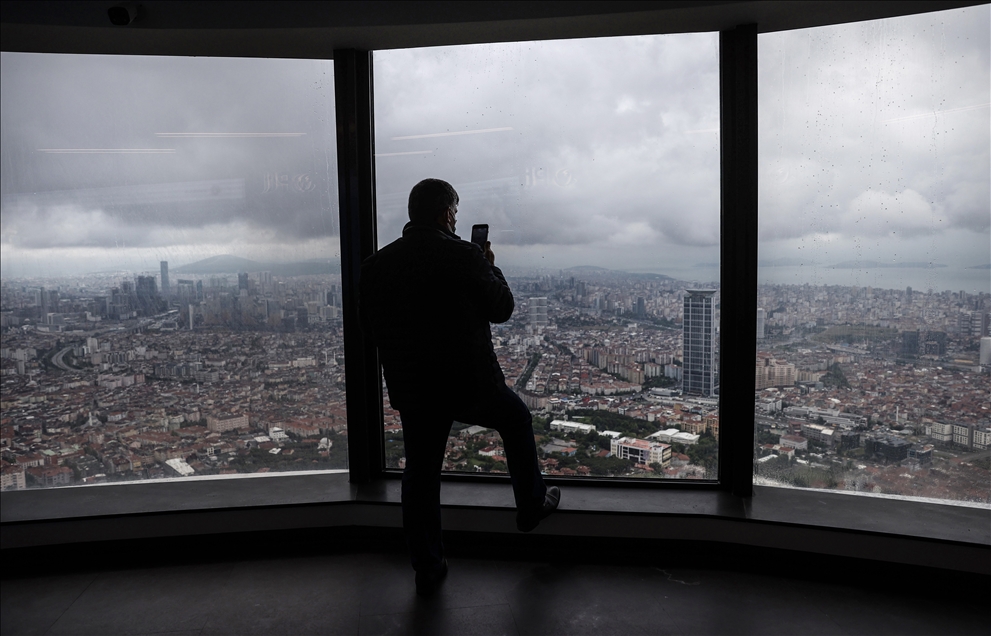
(434, 201)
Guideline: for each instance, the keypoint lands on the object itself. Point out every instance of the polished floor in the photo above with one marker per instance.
(372, 592)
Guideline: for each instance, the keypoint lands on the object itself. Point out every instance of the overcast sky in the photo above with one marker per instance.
(95, 178)
(875, 142)
(874, 145)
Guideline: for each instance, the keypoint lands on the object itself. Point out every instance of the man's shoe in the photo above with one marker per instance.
(527, 521)
(428, 582)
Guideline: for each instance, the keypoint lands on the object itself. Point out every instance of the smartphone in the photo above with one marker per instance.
(479, 235)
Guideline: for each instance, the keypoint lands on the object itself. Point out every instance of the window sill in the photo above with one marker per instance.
(924, 534)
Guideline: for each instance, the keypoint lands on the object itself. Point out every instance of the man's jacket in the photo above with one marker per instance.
(426, 301)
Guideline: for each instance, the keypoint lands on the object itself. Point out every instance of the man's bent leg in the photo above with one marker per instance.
(510, 417)
(425, 435)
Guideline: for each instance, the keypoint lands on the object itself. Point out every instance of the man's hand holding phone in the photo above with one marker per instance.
(480, 237)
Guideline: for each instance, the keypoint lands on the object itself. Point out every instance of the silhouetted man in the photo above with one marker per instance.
(426, 300)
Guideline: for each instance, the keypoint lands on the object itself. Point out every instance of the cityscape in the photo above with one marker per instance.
(118, 377)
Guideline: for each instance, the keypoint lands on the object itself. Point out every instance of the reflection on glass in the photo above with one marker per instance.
(170, 269)
(875, 265)
(596, 166)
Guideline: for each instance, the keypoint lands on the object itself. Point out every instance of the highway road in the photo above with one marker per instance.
(59, 361)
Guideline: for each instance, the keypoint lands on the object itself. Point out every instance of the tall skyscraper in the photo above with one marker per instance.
(538, 312)
(985, 351)
(698, 343)
(145, 286)
(760, 323)
(166, 289)
(147, 299)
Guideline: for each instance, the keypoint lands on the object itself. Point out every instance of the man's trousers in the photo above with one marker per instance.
(425, 430)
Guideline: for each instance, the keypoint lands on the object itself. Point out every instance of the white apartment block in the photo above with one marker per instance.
(772, 373)
(674, 436)
(12, 478)
(571, 427)
(641, 451)
(181, 468)
(982, 439)
(226, 423)
(963, 435)
(794, 441)
(940, 432)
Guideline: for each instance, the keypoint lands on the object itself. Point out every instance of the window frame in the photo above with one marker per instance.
(70, 33)
(738, 270)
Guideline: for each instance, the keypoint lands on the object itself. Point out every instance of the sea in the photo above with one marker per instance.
(920, 279)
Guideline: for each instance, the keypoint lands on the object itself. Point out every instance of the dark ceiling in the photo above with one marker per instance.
(315, 29)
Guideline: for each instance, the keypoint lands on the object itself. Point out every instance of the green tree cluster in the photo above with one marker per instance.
(835, 377)
(705, 453)
(659, 382)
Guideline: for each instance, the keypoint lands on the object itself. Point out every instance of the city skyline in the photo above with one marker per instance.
(846, 394)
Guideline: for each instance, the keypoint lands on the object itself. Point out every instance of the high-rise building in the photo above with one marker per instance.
(242, 281)
(538, 312)
(932, 343)
(910, 343)
(760, 323)
(985, 359)
(166, 289)
(923, 343)
(698, 343)
(770, 372)
(185, 290)
(145, 286)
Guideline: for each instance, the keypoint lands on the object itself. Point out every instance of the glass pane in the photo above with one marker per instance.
(170, 269)
(595, 164)
(875, 260)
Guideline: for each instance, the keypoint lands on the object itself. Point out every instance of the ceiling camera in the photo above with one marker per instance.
(123, 14)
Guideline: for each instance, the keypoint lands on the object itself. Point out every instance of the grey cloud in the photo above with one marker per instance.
(612, 141)
(613, 145)
(62, 102)
(876, 129)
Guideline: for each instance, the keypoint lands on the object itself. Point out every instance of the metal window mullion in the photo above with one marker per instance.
(356, 183)
(738, 255)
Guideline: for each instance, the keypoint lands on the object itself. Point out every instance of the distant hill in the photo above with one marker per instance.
(876, 265)
(987, 266)
(228, 264)
(589, 269)
(649, 276)
(223, 264)
(593, 270)
(784, 262)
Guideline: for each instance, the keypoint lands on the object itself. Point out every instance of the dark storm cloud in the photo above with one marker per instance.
(145, 186)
